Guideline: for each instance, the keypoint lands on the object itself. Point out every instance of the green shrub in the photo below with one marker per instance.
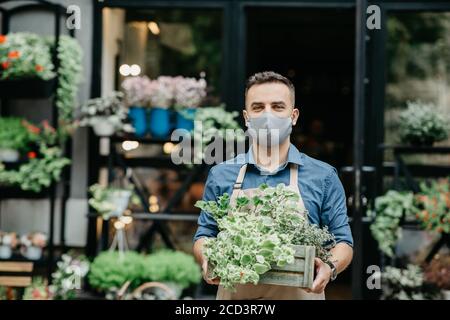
(111, 270)
(422, 124)
(171, 266)
(13, 134)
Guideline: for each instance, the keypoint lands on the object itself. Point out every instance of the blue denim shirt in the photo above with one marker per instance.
(319, 184)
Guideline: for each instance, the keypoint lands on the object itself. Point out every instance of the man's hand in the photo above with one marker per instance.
(215, 281)
(323, 275)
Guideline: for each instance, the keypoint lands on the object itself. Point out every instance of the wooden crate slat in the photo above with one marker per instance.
(281, 278)
(16, 266)
(299, 251)
(13, 281)
(297, 266)
(310, 253)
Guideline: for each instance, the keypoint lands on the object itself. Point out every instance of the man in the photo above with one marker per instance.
(270, 114)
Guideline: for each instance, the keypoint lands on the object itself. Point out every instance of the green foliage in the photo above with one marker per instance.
(111, 269)
(70, 71)
(405, 284)
(171, 266)
(257, 233)
(387, 215)
(25, 55)
(433, 205)
(102, 199)
(13, 134)
(38, 173)
(422, 124)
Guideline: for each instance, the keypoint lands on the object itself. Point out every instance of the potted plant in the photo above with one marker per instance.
(175, 269)
(8, 242)
(189, 93)
(406, 284)
(422, 124)
(162, 92)
(32, 245)
(109, 201)
(105, 115)
(38, 290)
(437, 272)
(14, 138)
(252, 240)
(433, 206)
(217, 123)
(25, 64)
(68, 277)
(111, 269)
(388, 212)
(138, 91)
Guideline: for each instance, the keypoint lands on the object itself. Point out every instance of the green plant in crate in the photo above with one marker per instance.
(111, 269)
(387, 214)
(173, 267)
(257, 233)
(422, 124)
(13, 134)
(434, 205)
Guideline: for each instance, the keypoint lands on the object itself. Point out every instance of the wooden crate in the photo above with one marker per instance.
(300, 273)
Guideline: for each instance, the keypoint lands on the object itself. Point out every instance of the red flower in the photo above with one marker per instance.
(5, 65)
(13, 54)
(31, 155)
(39, 68)
(36, 293)
(3, 38)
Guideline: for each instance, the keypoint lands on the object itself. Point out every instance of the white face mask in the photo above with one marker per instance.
(269, 130)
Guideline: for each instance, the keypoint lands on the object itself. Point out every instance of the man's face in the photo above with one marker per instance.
(270, 97)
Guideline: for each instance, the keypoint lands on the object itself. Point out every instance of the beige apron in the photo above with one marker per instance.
(265, 291)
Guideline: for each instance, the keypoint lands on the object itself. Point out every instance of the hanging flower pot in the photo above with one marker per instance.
(119, 200)
(185, 118)
(103, 127)
(138, 119)
(159, 122)
(9, 155)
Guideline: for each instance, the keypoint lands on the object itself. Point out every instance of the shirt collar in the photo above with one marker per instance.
(294, 156)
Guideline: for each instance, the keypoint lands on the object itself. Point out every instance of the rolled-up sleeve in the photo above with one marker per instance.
(334, 209)
(207, 226)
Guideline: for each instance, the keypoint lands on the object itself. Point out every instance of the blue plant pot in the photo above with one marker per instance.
(139, 120)
(159, 125)
(185, 119)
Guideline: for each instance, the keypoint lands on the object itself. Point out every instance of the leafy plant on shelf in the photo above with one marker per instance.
(406, 284)
(434, 205)
(38, 173)
(13, 134)
(387, 214)
(38, 290)
(25, 55)
(216, 123)
(171, 266)
(422, 124)
(111, 269)
(68, 277)
(107, 201)
(257, 233)
(110, 108)
(28, 55)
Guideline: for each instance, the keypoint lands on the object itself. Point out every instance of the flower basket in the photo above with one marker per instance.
(300, 273)
(27, 88)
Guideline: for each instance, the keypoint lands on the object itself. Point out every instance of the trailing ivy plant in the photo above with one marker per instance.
(387, 214)
(257, 233)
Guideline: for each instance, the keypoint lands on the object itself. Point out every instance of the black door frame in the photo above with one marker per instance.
(369, 81)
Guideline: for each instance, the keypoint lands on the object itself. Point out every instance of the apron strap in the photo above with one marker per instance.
(293, 183)
(238, 184)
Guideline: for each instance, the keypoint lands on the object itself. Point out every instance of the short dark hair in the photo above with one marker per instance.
(269, 77)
